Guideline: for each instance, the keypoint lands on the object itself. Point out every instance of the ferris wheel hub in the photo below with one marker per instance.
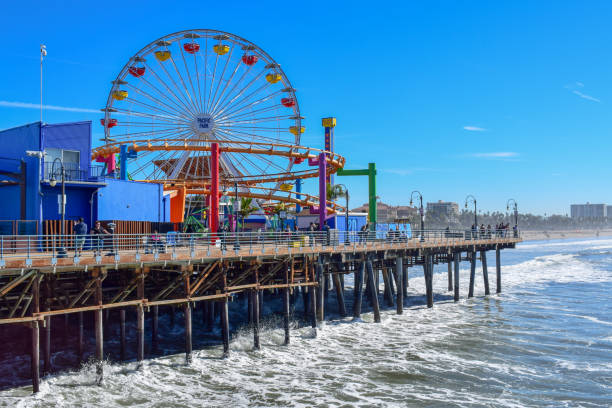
(203, 124)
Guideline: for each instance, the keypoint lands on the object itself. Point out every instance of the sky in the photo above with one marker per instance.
(500, 100)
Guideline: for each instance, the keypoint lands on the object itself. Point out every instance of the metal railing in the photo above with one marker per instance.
(181, 245)
(73, 172)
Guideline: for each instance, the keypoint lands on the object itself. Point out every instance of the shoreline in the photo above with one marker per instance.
(563, 234)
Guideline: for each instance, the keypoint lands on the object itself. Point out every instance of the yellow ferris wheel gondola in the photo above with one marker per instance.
(221, 49)
(295, 130)
(273, 77)
(120, 95)
(162, 55)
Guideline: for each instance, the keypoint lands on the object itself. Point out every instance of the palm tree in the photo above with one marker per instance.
(335, 191)
(246, 208)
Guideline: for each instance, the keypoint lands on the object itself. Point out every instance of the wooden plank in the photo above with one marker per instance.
(21, 319)
(89, 308)
(7, 288)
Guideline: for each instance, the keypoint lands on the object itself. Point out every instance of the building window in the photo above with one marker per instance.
(70, 158)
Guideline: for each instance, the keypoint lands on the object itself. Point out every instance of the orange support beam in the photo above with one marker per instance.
(177, 206)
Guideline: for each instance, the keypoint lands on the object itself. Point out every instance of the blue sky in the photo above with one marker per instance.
(496, 99)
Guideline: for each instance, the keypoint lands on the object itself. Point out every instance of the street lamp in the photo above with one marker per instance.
(52, 182)
(467, 200)
(512, 202)
(346, 221)
(236, 210)
(421, 211)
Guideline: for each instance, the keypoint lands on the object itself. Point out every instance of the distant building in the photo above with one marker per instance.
(446, 208)
(388, 213)
(589, 210)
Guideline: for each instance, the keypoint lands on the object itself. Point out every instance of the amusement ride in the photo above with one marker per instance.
(205, 111)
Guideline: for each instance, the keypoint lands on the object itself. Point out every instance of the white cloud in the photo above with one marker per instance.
(399, 172)
(495, 155)
(474, 128)
(27, 105)
(579, 84)
(585, 96)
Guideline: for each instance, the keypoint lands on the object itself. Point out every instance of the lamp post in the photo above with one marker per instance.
(52, 182)
(421, 212)
(467, 200)
(512, 202)
(236, 210)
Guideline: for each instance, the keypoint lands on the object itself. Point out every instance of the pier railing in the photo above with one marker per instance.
(32, 247)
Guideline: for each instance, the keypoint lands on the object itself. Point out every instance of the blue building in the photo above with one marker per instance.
(30, 187)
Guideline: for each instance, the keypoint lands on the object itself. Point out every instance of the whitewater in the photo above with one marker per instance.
(546, 341)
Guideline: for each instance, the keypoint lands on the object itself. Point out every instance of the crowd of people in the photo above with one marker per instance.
(500, 230)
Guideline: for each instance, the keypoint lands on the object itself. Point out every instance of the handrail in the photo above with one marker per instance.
(31, 247)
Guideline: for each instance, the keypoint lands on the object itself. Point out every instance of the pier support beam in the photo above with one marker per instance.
(456, 259)
(312, 296)
(472, 273)
(35, 336)
(155, 327)
(140, 319)
(388, 295)
(255, 296)
(122, 333)
(320, 291)
(485, 271)
(339, 294)
(498, 269)
(99, 330)
(359, 271)
(188, 343)
(399, 271)
(373, 290)
(450, 273)
(428, 271)
(225, 327)
(286, 314)
(80, 338)
(35, 357)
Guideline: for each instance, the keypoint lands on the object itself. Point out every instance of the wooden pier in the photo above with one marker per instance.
(206, 271)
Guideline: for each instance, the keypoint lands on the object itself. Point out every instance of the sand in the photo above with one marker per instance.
(546, 235)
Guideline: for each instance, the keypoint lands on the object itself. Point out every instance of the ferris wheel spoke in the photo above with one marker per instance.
(267, 160)
(155, 108)
(239, 112)
(228, 93)
(196, 98)
(240, 104)
(254, 112)
(224, 106)
(155, 154)
(248, 137)
(147, 95)
(167, 133)
(231, 78)
(178, 99)
(257, 120)
(212, 83)
(161, 118)
(212, 78)
(203, 95)
(193, 104)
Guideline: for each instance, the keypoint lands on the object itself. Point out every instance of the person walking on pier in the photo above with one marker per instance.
(80, 230)
(99, 241)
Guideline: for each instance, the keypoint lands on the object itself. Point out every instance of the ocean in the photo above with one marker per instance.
(546, 341)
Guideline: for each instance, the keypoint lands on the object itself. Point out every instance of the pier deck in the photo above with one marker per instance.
(40, 279)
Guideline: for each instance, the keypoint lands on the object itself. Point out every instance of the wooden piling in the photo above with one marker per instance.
(255, 297)
(122, 333)
(450, 273)
(99, 330)
(456, 259)
(399, 272)
(188, 343)
(286, 314)
(405, 277)
(339, 294)
(485, 271)
(387, 292)
(428, 270)
(35, 356)
(375, 305)
(80, 338)
(47, 329)
(498, 269)
(155, 327)
(472, 273)
(140, 319)
(359, 272)
(312, 296)
(260, 296)
(320, 292)
(225, 327)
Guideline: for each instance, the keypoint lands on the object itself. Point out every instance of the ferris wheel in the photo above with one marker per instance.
(184, 91)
